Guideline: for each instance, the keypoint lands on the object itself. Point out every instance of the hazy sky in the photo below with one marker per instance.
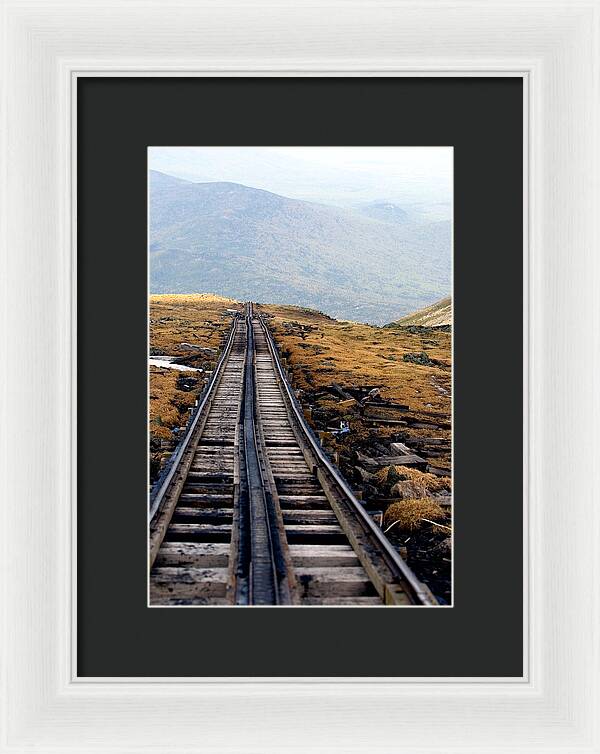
(339, 175)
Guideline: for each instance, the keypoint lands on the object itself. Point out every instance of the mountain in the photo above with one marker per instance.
(385, 211)
(248, 243)
(437, 314)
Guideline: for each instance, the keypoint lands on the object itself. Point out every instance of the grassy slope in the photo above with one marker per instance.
(201, 320)
(435, 315)
(321, 351)
(350, 354)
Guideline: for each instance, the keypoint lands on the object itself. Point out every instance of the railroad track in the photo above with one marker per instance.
(252, 511)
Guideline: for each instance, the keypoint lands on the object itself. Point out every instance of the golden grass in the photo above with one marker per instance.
(168, 405)
(410, 480)
(199, 319)
(320, 350)
(407, 515)
(358, 352)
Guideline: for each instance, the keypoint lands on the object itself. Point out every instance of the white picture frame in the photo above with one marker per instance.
(554, 46)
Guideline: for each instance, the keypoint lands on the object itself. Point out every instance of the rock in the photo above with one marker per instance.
(407, 490)
(393, 476)
(189, 347)
(186, 383)
(370, 491)
(364, 475)
(399, 449)
(422, 359)
(444, 548)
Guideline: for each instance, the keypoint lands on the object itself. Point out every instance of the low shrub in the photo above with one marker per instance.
(407, 515)
(422, 483)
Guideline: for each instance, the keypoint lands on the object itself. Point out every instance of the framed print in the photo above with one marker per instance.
(300, 398)
(354, 392)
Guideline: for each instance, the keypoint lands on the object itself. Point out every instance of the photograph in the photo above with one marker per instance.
(300, 376)
(285, 286)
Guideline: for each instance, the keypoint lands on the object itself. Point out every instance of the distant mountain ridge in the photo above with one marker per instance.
(385, 211)
(248, 243)
(435, 315)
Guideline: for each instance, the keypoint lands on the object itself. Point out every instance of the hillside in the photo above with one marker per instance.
(247, 243)
(385, 211)
(435, 315)
(392, 390)
(390, 387)
(190, 330)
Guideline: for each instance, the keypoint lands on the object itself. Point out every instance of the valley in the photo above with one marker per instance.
(370, 263)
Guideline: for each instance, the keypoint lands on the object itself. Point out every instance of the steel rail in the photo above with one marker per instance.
(396, 564)
(268, 583)
(157, 498)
